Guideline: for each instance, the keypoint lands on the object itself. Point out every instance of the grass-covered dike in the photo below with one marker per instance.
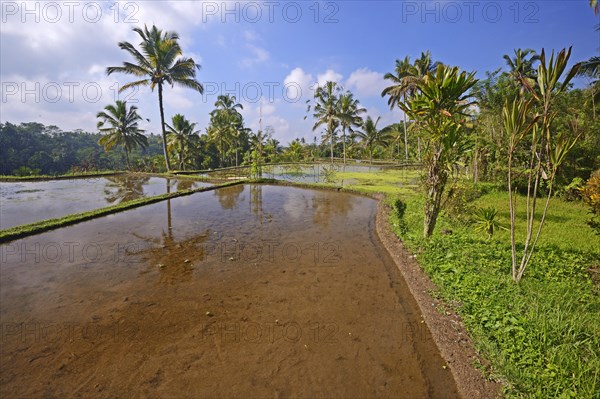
(25, 230)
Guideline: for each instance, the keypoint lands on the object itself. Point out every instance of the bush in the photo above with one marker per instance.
(399, 210)
(591, 195)
(572, 192)
(459, 197)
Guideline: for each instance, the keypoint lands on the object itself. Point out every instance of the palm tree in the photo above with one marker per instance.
(371, 137)
(349, 112)
(521, 67)
(180, 136)
(158, 63)
(121, 128)
(405, 83)
(326, 110)
(227, 123)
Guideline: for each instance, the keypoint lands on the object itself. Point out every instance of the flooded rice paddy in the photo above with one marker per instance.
(245, 291)
(28, 202)
(299, 173)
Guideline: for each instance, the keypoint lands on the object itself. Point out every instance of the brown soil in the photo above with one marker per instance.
(447, 330)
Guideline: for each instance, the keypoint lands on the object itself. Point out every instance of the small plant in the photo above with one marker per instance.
(485, 221)
(399, 209)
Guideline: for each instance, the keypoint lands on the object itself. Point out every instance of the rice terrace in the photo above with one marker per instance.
(327, 199)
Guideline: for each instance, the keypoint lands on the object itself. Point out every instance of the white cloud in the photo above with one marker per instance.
(329, 75)
(366, 83)
(299, 86)
(259, 55)
(250, 35)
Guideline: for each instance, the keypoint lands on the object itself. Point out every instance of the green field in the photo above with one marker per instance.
(542, 336)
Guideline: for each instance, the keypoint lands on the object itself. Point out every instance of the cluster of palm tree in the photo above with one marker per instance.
(405, 82)
(226, 128)
(338, 111)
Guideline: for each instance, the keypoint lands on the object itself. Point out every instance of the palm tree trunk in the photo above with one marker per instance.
(405, 140)
(162, 126)
(344, 145)
(331, 144)
(127, 158)
(181, 148)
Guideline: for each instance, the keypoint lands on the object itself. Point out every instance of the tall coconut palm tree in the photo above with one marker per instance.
(180, 136)
(159, 61)
(326, 110)
(121, 128)
(349, 111)
(371, 137)
(405, 83)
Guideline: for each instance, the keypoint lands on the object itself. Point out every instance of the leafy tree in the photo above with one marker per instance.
(440, 111)
(121, 128)
(158, 64)
(181, 136)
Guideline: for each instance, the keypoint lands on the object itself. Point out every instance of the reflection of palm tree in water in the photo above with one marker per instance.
(229, 196)
(256, 205)
(124, 188)
(175, 260)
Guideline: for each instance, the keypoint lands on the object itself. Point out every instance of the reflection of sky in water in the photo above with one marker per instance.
(300, 173)
(28, 202)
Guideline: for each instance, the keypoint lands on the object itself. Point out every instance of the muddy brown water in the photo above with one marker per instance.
(247, 291)
(28, 202)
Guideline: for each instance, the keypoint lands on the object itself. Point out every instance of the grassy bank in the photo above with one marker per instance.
(542, 336)
(25, 230)
(10, 178)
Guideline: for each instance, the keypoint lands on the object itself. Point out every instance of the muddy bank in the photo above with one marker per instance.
(446, 328)
(250, 290)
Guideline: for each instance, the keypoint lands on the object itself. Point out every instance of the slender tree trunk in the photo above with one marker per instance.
(181, 155)
(419, 147)
(436, 182)
(331, 144)
(344, 144)
(405, 138)
(162, 126)
(127, 158)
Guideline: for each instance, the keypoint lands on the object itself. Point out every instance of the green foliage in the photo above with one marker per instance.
(542, 335)
(485, 221)
(591, 195)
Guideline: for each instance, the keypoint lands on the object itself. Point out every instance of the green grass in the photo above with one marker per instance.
(25, 230)
(542, 336)
(390, 181)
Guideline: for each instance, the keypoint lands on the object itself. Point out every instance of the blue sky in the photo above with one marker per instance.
(54, 53)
